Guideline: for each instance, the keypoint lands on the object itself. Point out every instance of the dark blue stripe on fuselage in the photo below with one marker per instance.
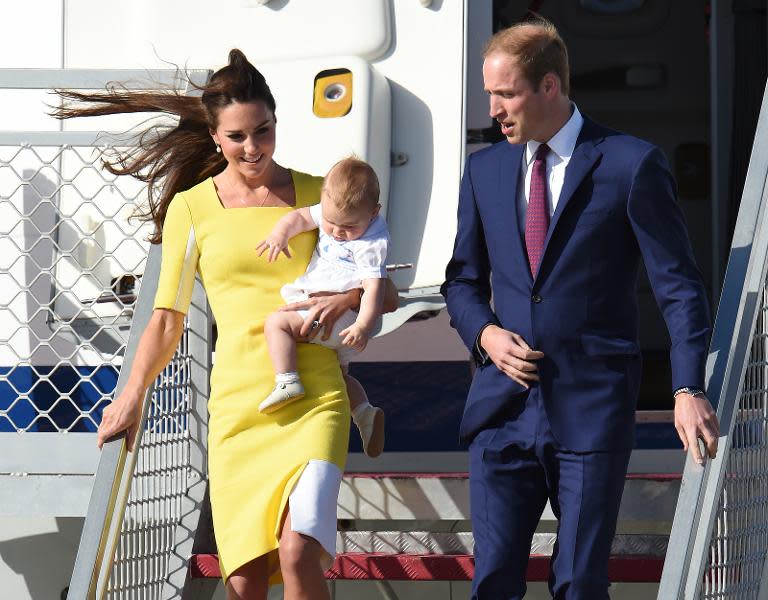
(25, 395)
(423, 402)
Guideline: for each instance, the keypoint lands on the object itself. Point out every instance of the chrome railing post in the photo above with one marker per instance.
(96, 548)
(702, 499)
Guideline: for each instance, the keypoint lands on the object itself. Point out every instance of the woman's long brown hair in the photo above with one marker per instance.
(177, 156)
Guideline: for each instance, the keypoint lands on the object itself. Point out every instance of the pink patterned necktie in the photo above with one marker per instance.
(537, 216)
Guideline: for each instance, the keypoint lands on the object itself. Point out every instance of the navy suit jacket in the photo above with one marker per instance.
(617, 206)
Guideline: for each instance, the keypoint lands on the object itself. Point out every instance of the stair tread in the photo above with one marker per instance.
(437, 567)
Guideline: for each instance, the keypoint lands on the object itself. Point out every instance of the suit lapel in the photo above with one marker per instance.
(509, 172)
(585, 155)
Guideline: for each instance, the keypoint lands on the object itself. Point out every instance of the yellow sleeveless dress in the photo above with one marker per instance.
(255, 460)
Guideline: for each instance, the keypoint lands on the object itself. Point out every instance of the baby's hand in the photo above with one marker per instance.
(355, 337)
(276, 244)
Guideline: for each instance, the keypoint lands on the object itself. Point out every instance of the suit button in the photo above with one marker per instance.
(536, 298)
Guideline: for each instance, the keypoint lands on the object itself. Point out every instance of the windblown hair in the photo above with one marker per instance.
(537, 48)
(351, 184)
(179, 156)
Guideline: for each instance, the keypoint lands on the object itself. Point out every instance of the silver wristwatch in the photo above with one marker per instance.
(693, 391)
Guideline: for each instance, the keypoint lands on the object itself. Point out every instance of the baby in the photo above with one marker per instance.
(351, 252)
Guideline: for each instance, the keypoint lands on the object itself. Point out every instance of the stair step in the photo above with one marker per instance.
(372, 505)
(456, 543)
(420, 496)
(433, 567)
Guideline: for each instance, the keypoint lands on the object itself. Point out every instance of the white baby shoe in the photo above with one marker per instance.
(284, 393)
(371, 426)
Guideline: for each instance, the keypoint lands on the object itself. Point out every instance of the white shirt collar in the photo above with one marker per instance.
(563, 142)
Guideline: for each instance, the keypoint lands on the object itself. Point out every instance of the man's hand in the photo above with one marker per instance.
(694, 420)
(511, 354)
(355, 337)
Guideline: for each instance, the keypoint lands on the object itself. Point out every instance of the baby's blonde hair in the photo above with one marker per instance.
(351, 184)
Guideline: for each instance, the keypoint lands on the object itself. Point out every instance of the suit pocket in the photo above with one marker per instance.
(598, 345)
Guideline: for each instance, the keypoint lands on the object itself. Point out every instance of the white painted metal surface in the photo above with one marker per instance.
(419, 51)
(312, 144)
(197, 32)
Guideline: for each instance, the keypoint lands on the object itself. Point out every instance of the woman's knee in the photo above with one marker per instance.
(298, 552)
(249, 582)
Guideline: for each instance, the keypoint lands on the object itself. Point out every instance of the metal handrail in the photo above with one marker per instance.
(107, 503)
(729, 354)
(92, 79)
(89, 79)
(112, 485)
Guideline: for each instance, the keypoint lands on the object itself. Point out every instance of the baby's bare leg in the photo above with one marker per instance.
(368, 419)
(282, 330)
(355, 390)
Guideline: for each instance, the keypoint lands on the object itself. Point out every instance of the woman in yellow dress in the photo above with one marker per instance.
(274, 478)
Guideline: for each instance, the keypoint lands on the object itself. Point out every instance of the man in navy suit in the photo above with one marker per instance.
(552, 225)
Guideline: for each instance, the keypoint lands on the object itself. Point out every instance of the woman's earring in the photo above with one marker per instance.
(218, 149)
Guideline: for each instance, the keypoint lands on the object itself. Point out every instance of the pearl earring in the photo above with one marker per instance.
(218, 149)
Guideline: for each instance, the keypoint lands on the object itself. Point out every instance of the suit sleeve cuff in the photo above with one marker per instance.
(479, 354)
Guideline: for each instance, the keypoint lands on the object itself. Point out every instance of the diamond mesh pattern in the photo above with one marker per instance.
(159, 484)
(739, 543)
(71, 259)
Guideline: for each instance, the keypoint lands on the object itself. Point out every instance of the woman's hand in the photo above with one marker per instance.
(325, 308)
(156, 347)
(122, 415)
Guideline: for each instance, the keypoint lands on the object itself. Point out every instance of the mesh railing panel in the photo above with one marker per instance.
(71, 259)
(739, 541)
(160, 482)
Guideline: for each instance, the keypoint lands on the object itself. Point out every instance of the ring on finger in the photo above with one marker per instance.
(315, 325)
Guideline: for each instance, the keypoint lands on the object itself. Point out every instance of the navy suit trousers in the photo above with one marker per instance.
(515, 467)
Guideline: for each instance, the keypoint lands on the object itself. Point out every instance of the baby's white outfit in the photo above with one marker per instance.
(338, 266)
